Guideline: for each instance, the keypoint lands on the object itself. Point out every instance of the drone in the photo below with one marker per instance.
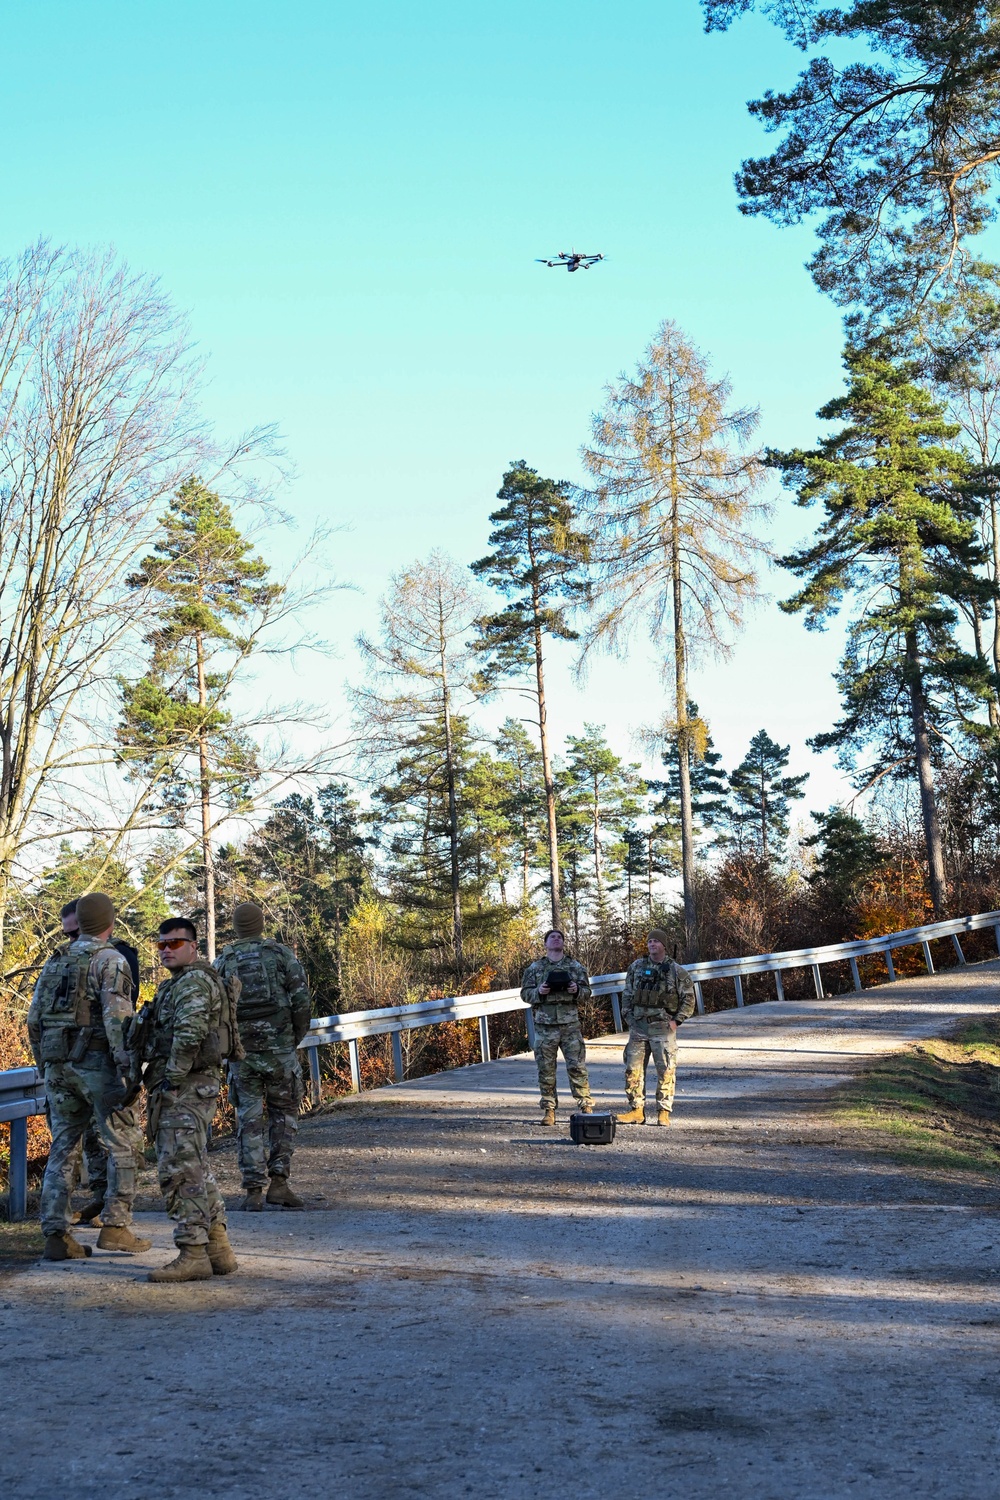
(571, 261)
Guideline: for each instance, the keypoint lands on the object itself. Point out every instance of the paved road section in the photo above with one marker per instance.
(743, 1304)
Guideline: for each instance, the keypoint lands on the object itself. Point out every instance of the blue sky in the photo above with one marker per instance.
(349, 203)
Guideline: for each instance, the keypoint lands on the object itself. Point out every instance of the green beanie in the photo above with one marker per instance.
(95, 913)
(248, 920)
(657, 935)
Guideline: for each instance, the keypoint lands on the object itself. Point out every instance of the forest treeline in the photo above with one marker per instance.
(424, 854)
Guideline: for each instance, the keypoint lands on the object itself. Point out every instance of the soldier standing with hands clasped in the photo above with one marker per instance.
(657, 997)
(554, 986)
(189, 1033)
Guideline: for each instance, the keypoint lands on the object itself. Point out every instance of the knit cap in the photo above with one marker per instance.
(248, 920)
(95, 913)
(657, 935)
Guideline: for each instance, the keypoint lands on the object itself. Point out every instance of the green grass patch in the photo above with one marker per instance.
(938, 1103)
(20, 1244)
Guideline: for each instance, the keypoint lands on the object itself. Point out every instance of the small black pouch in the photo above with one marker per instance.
(592, 1130)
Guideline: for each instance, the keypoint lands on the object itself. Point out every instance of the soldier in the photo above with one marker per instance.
(554, 986)
(658, 996)
(273, 1013)
(80, 1007)
(190, 1034)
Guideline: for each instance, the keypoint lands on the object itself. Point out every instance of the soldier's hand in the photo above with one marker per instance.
(543, 989)
(673, 1024)
(573, 987)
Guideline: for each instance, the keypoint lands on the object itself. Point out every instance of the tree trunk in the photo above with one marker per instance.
(925, 774)
(596, 837)
(205, 787)
(550, 786)
(449, 753)
(683, 741)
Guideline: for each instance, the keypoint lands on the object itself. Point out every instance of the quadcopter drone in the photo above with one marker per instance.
(572, 260)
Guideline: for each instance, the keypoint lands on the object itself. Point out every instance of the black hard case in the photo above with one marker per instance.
(592, 1130)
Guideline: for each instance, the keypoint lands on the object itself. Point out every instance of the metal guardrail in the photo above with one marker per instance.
(22, 1094)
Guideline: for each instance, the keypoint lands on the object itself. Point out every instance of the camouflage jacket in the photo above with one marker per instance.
(275, 1005)
(109, 990)
(555, 1009)
(187, 1010)
(655, 992)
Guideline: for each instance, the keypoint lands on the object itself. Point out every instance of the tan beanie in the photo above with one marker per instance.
(248, 920)
(657, 935)
(95, 913)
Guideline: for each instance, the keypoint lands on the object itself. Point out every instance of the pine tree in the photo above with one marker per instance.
(211, 593)
(605, 792)
(900, 533)
(708, 780)
(759, 798)
(847, 853)
(525, 805)
(538, 564)
(671, 517)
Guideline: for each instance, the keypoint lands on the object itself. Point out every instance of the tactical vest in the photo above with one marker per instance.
(263, 996)
(67, 1017)
(223, 1039)
(652, 992)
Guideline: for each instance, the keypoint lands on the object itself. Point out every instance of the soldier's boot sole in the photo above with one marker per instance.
(663, 1117)
(117, 1237)
(549, 1117)
(280, 1195)
(636, 1116)
(253, 1202)
(192, 1264)
(65, 1247)
(220, 1252)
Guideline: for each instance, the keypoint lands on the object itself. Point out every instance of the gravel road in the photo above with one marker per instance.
(749, 1302)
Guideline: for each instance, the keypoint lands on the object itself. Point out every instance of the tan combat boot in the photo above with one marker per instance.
(191, 1264)
(117, 1237)
(64, 1247)
(663, 1117)
(90, 1213)
(253, 1201)
(220, 1251)
(587, 1107)
(635, 1116)
(281, 1194)
(549, 1117)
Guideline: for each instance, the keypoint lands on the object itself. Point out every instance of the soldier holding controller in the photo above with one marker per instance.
(658, 996)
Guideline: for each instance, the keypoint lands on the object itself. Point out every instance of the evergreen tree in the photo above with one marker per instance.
(604, 793)
(708, 780)
(525, 803)
(211, 594)
(538, 565)
(847, 854)
(759, 798)
(671, 511)
(900, 532)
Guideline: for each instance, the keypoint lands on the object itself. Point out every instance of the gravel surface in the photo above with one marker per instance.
(750, 1302)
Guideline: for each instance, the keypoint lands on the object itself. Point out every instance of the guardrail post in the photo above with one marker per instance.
(958, 948)
(352, 1052)
(738, 982)
(890, 965)
(484, 1038)
(397, 1056)
(818, 982)
(18, 1168)
(315, 1081)
(699, 999)
(616, 1010)
(856, 977)
(927, 956)
(996, 934)
(779, 984)
(530, 1022)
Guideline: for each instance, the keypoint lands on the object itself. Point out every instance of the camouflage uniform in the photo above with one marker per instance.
(557, 1025)
(89, 1089)
(183, 1078)
(654, 994)
(273, 1015)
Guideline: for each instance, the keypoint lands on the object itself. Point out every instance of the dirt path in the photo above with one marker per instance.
(746, 1303)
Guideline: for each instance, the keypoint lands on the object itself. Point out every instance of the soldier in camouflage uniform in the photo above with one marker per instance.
(274, 1012)
(77, 1020)
(554, 986)
(188, 1035)
(658, 996)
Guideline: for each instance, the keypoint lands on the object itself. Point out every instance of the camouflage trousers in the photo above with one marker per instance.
(656, 1040)
(548, 1041)
(80, 1095)
(193, 1199)
(270, 1081)
(91, 1150)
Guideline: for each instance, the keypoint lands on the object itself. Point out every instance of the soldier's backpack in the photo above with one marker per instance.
(223, 1041)
(65, 1007)
(263, 996)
